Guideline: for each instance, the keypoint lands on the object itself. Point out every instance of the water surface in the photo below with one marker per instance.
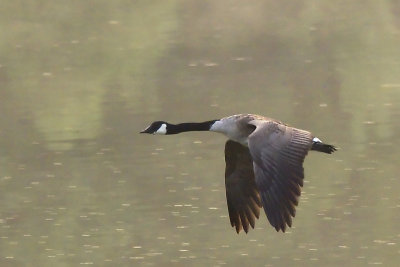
(79, 185)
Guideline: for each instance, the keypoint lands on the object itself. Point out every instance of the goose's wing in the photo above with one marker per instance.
(278, 152)
(241, 191)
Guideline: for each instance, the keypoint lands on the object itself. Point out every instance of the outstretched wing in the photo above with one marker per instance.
(241, 191)
(278, 152)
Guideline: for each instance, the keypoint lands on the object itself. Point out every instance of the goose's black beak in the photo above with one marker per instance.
(146, 131)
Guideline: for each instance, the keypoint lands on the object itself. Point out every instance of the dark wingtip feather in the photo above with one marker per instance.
(243, 220)
(238, 227)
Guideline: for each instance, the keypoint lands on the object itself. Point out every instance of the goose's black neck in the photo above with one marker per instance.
(189, 127)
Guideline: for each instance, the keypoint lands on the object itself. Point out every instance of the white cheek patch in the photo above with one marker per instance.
(316, 139)
(162, 129)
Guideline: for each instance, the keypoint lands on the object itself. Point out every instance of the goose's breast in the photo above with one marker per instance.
(232, 130)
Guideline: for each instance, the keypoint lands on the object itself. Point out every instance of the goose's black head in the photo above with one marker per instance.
(157, 127)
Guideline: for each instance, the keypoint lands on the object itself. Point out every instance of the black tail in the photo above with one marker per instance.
(321, 147)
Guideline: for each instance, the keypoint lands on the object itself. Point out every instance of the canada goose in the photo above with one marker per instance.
(264, 165)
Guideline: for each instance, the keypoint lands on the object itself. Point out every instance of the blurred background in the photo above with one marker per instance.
(80, 79)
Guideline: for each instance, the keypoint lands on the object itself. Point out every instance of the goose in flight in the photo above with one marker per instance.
(264, 165)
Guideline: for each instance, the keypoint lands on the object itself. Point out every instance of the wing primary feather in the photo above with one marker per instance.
(278, 152)
(250, 217)
(242, 193)
(255, 208)
(243, 219)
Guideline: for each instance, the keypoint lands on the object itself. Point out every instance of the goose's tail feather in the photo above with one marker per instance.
(321, 147)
